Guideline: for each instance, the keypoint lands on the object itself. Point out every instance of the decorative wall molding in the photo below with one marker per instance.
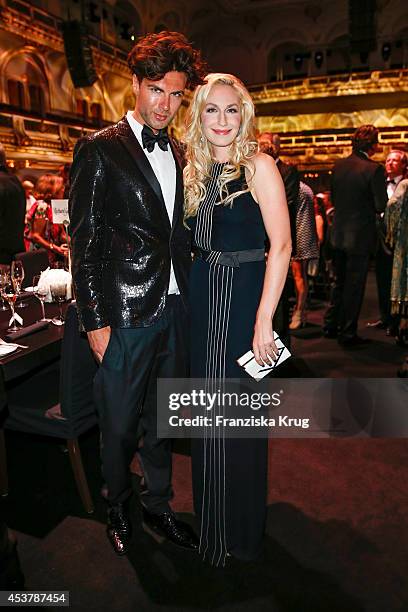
(315, 115)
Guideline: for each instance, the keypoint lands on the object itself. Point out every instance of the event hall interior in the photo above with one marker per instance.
(336, 529)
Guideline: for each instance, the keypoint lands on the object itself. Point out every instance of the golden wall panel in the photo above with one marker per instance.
(381, 118)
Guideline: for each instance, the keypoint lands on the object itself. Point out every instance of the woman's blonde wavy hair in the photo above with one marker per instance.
(199, 153)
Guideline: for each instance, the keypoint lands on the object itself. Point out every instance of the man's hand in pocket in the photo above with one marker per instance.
(98, 341)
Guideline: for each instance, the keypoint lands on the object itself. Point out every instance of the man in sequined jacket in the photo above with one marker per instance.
(130, 264)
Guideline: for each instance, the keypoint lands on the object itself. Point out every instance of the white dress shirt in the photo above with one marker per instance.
(392, 185)
(164, 167)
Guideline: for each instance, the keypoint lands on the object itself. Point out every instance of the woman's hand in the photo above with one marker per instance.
(59, 249)
(263, 344)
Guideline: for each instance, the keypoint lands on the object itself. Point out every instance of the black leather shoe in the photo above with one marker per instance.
(354, 342)
(165, 526)
(377, 324)
(119, 529)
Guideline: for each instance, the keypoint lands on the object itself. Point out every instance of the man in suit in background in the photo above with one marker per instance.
(130, 261)
(269, 143)
(395, 168)
(12, 213)
(359, 195)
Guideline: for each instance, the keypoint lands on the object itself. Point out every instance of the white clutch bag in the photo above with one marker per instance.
(258, 372)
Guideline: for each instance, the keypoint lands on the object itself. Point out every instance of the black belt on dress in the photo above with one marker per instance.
(232, 259)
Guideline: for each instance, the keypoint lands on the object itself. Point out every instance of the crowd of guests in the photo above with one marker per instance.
(26, 222)
(336, 233)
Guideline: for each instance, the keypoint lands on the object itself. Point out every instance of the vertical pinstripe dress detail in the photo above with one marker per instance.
(229, 475)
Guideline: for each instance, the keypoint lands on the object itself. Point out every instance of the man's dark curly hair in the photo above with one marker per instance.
(364, 138)
(156, 54)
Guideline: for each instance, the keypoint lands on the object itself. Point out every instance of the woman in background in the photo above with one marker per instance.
(234, 199)
(307, 250)
(396, 218)
(40, 231)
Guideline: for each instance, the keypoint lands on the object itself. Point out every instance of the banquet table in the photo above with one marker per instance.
(33, 387)
(44, 346)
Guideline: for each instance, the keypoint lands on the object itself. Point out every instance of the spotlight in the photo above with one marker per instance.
(318, 58)
(386, 51)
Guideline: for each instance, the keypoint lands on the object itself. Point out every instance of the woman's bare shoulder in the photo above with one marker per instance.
(263, 162)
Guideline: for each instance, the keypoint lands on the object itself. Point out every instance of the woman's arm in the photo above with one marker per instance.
(319, 228)
(268, 190)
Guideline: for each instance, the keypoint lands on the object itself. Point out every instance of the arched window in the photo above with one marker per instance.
(81, 108)
(288, 61)
(37, 99)
(96, 112)
(399, 50)
(27, 84)
(128, 24)
(15, 91)
(338, 58)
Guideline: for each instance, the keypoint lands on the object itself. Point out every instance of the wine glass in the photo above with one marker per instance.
(4, 275)
(9, 293)
(17, 276)
(59, 295)
(40, 292)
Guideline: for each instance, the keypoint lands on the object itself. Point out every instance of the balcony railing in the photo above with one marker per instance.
(373, 78)
(60, 118)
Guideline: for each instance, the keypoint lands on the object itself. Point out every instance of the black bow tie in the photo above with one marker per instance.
(149, 139)
(391, 181)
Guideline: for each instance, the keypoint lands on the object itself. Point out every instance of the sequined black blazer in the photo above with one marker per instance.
(122, 239)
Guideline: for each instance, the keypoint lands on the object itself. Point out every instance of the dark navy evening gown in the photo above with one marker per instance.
(229, 475)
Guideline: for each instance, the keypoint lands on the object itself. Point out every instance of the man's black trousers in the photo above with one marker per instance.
(347, 293)
(125, 395)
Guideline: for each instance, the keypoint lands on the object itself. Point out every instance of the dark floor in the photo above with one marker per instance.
(337, 533)
(318, 356)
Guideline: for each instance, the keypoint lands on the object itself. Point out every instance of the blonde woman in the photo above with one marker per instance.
(234, 199)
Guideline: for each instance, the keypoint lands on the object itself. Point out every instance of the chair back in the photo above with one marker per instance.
(34, 262)
(78, 369)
